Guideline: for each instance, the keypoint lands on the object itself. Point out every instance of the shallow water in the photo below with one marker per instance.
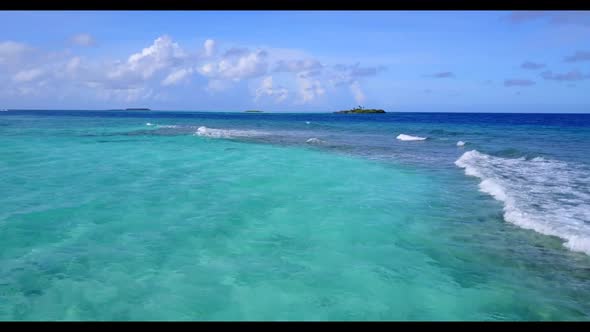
(105, 217)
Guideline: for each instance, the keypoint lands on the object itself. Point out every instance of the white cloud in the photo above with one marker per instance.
(11, 51)
(209, 47)
(11, 48)
(309, 89)
(357, 92)
(248, 65)
(267, 88)
(73, 65)
(161, 54)
(27, 75)
(207, 69)
(160, 62)
(83, 39)
(165, 63)
(177, 76)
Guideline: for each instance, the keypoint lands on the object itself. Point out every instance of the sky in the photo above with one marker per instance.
(296, 61)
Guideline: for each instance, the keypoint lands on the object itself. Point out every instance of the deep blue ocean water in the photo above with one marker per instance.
(114, 215)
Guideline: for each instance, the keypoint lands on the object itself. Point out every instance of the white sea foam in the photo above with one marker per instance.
(404, 137)
(226, 133)
(307, 122)
(548, 196)
(149, 124)
(314, 140)
(460, 143)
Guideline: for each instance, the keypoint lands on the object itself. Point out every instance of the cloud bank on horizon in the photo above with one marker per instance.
(165, 64)
(171, 73)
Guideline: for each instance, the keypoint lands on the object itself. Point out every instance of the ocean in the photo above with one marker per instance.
(114, 215)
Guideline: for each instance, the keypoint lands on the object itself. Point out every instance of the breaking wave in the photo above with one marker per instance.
(548, 196)
(404, 137)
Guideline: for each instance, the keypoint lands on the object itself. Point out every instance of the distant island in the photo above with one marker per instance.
(253, 111)
(137, 109)
(360, 109)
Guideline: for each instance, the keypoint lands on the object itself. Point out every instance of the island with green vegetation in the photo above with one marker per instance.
(253, 111)
(362, 110)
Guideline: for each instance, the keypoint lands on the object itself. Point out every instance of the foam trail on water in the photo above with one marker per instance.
(314, 140)
(460, 143)
(548, 196)
(226, 133)
(404, 137)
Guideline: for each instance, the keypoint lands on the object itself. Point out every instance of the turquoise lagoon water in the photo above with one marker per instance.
(221, 216)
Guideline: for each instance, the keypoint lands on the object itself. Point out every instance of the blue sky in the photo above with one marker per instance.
(297, 61)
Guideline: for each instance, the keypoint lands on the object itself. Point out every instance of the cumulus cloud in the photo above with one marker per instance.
(164, 62)
(11, 48)
(518, 82)
(177, 76)
(267, 89)
(247, 65)
(161, 54)
(209, 46)
(574, 75)
(531, 65)
(73, 64)
(27, 75)
(578, 56)
(11, 51)
(83, 39)
(309, 89)
(53, 74)
(444, 74)
(161, 61)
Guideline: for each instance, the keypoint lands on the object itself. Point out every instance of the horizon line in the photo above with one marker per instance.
(133, 110)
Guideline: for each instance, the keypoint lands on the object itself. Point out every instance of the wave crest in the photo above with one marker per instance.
(404, 137)
(548, 196)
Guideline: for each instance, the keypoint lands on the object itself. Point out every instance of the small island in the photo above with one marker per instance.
(362, 110)
(253, 111)
(137, 109)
